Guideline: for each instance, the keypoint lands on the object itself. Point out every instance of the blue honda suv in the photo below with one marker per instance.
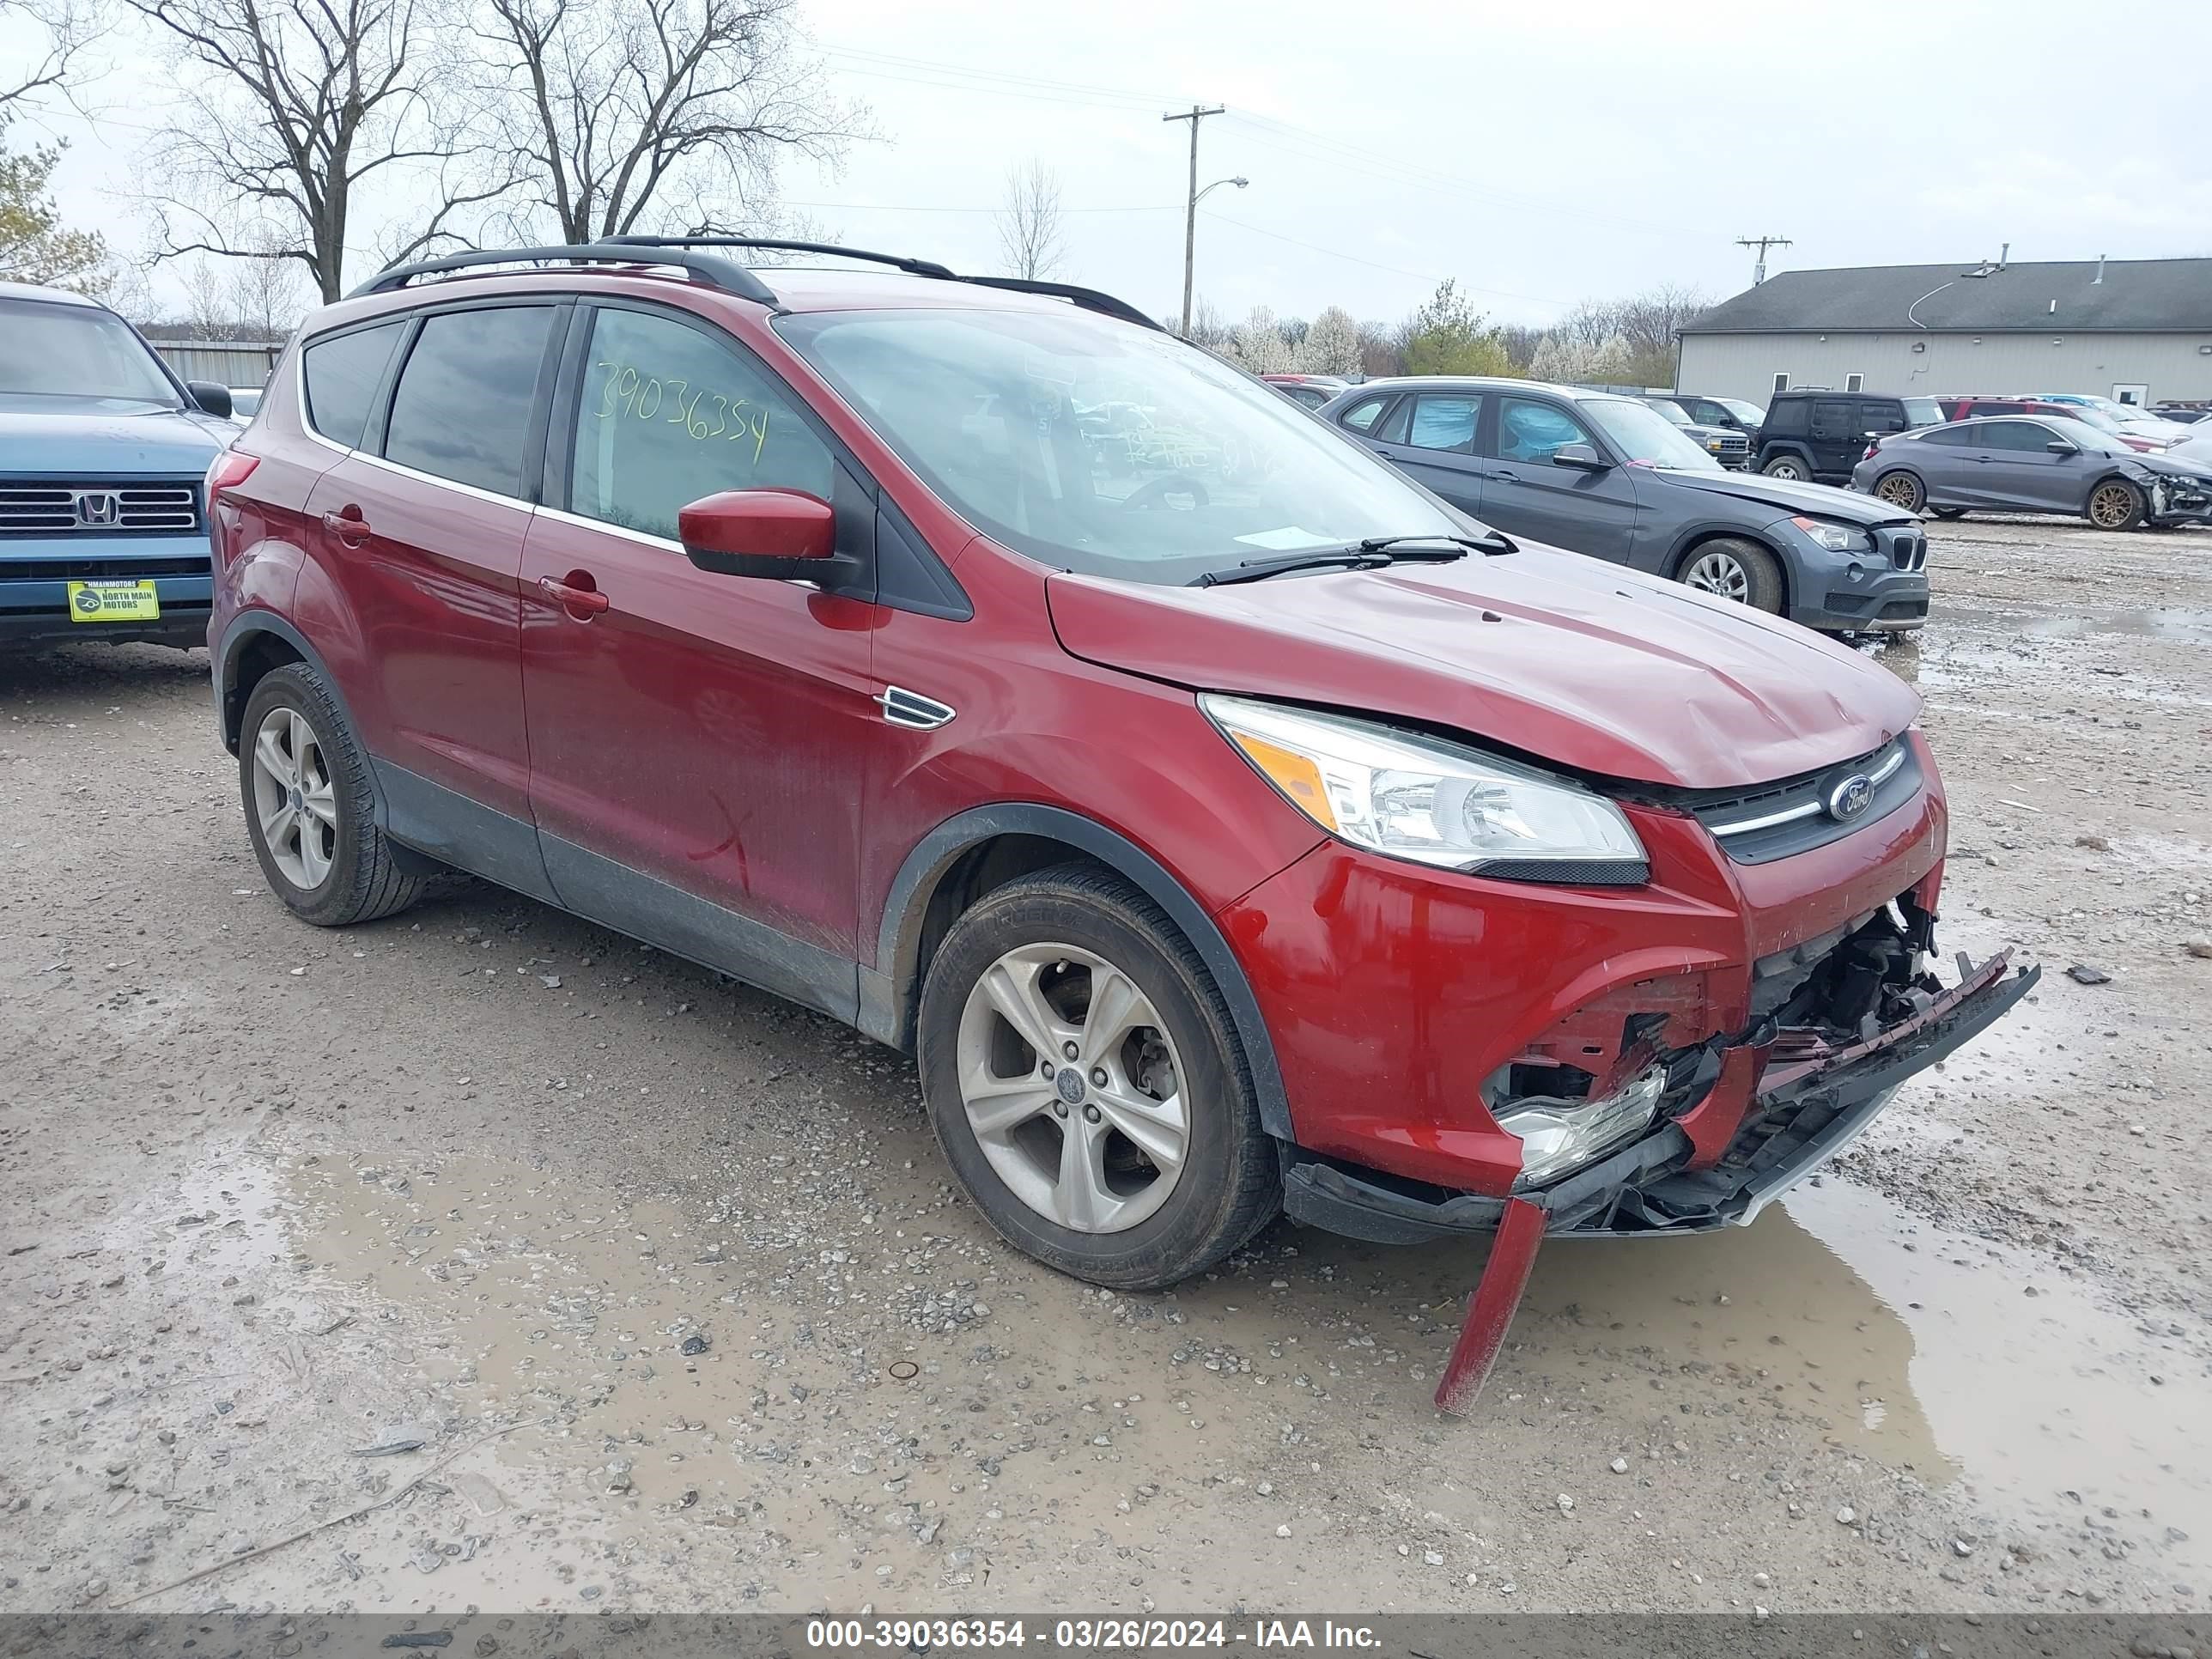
(103, 457)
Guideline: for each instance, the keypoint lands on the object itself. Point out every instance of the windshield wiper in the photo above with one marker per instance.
(1373, 554)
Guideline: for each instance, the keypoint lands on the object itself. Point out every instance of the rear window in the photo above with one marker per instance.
(341, 375)
(1786, 415)
(463, 406)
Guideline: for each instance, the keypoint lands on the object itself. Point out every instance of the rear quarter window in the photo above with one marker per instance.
(341, 375)
(462, 406)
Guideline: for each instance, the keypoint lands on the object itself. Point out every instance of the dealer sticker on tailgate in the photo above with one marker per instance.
(113, 601)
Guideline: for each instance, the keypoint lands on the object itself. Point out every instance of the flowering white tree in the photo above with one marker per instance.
(1257, 343)
(1332, 344)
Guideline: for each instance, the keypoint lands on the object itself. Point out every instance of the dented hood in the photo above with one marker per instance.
(1577, 662)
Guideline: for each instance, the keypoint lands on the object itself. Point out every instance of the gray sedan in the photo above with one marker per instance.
(2033, 464)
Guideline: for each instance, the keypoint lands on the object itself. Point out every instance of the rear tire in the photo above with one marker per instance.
(310, 807)
(2115, 504)
(1004, 1107)
(1901, 489)
(1729, 568)
(1950, 511)
(1787, 465)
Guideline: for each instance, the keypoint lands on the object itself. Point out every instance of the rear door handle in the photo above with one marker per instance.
(589, 601)
(348, 527)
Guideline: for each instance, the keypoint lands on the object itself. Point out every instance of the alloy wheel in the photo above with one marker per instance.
(1899, 490)
(293, 801)
(1073, 1087)
(2111, 506)
(1721, 574)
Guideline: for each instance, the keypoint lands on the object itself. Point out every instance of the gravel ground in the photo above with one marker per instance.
(480, 1257)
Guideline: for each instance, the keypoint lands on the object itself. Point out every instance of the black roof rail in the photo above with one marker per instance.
(723, 274)
(1089, 298)
(912, 267)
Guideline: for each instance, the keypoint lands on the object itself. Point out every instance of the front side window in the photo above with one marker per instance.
(78, 352)
(1530, 431)
(341, 375)
(1441, 422)
(1098, 447)
(1646, 438)
(463, 406)
(669, 414)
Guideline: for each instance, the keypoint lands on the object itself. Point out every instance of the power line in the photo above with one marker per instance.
(1762, 243)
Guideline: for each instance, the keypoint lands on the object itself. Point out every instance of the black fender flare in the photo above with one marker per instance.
(1803, 451)
(1688, 542)
(235, 638)
(888, 990)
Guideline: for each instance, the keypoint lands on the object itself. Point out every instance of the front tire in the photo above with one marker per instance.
(1950, 511)
(1729, 568)
(310, 810)
(1901, 490)
(1084, 1080)
(1788, 466)
(2115, 504)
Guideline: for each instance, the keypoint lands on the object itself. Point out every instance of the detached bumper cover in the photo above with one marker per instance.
(1806, 1107)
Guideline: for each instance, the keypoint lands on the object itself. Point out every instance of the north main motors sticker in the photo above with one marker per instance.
(99, 602)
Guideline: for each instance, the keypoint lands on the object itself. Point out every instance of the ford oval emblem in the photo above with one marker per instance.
(1850, 798)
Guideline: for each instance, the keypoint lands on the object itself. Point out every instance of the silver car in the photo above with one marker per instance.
(2033, 464)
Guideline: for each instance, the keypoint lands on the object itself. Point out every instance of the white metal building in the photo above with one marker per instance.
(2136, 330)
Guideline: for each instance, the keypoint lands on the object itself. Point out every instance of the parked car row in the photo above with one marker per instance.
(2039, 463)
(1606, 475)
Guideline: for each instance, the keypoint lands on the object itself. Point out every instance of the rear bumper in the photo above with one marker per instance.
(1803, 1111)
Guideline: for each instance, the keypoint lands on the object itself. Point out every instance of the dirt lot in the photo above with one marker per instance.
(601, 1283)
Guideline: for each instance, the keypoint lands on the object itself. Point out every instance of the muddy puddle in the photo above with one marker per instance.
(630, 1346)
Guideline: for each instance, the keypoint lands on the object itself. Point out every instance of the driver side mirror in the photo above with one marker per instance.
(2061, 446)
(774, 535)
(1583, 458)
(213, 399)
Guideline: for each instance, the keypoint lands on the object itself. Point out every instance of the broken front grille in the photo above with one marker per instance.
(65, 506)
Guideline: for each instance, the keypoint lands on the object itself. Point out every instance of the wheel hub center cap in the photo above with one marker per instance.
(298, 800)
(1069, 1085)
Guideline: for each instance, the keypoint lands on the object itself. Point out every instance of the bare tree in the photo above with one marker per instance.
(287, 110)
(611, 112)
(48, 38)
(1030, 232)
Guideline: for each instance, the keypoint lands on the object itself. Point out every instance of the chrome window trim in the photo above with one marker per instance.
(406, 471)
(585, 521)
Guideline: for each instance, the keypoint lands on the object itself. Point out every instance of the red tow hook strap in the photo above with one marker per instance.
(1490, 1309)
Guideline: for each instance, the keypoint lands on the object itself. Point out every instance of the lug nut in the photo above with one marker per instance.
(1046, 1067)
(1091, 1115)
(1098, 1076)
(1069, 1050)
(1059, 1109)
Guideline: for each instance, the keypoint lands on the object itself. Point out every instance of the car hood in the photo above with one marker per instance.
(1576, 662)
(49, 435)
(2188, 460)
(1786, 496)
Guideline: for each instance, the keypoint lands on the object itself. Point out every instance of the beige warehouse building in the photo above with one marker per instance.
(2139, 331)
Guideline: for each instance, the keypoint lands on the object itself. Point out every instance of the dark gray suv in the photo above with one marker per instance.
(1602, 474)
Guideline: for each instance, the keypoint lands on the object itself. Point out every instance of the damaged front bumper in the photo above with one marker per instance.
(2177, 501)
(1808, 1100)
(1803, 1092)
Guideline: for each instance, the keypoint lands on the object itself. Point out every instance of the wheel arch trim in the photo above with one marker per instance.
(890, 991)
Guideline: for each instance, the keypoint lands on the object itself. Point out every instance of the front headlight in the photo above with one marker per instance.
(1557, 1135)
(1418, 797)
(1835, 538)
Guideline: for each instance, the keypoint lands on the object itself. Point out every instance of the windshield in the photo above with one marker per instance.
(2093, 440)
(1643, 437)
(1104, 448)
(1749, 414)
(1669, 411)
(2089, 415)
(52, 350)
(1923, 411)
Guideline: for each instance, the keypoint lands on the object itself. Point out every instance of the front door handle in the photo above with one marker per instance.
(578, 602)
(349, 527)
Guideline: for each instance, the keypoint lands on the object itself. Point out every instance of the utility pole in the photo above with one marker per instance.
(1196, 113)
(1762, 243)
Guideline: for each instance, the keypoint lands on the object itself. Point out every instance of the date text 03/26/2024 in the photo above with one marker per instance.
(1085, 1635)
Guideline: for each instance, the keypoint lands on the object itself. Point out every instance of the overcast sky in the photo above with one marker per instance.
(1540, 153)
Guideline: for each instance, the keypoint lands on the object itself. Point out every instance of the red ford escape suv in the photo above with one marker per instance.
(1228, 826)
